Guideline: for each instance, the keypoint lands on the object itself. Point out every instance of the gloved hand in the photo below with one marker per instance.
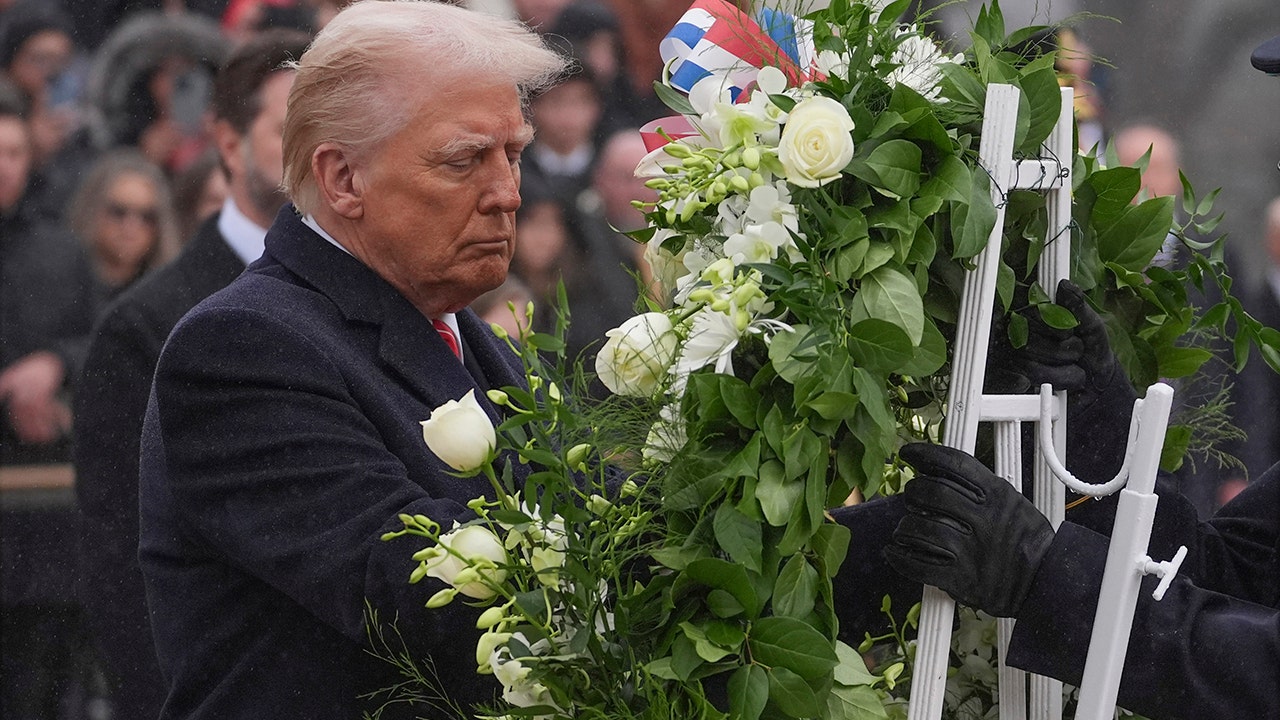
(1078, 360)
(967, 531)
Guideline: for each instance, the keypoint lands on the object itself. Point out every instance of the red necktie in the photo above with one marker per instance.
(446, 334)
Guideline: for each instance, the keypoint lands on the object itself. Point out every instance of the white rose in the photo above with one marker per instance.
(474, 547)
(636, 355)
(461, 434)
(816, 145)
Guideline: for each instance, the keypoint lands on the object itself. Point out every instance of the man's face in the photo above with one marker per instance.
(15, 161)
(439, 197)
(566, 115)
(257, 162)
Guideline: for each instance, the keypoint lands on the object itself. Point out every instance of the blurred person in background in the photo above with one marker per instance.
(198, 192)
(36, 49)
(505, 306)
(1257, 390)
(46, 308)
(249, 98)
(588, 32)
(537, 14)
(149, 85)
(37, 54)
(123, 212)
(564, 150)
(46, 304)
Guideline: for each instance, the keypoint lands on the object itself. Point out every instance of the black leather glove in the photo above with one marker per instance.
(967, 531)
(1078, 360)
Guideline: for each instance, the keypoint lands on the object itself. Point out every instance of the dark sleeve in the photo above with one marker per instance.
(866, 576)
(1233, 552)
(274, 466)
(1195, 654)
(109, 407)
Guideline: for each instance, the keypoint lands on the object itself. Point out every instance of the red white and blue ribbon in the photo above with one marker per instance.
(715, 38)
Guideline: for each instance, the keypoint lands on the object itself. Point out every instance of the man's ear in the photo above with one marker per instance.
(338, 180)
(227, 140)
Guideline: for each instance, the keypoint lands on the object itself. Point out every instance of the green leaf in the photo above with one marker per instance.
(673, 99)
(661, 668)
(892, 296)
(950, 180)
(847, 263)
(1115, 189)
(990, 25)
(879, 345)
(931, 354)
(777, 495)
(972, 222)
(739, 536)
(796, 589)
(860, 702)
(835, 405)
(1135, 238)
(723, 604)
(684, 657)
(1176, 441)
(875, 402)
(783, 642)
(726, 576)
(706, 649)
(831, 543)
(748, 692)
(1044, 98)
(740, 399)
(962, 86)
(792, 694)
(1056, 316)
(893, 166)
(1019, 330)
(1176, 362)
(799, 452)
(792, 353)
(852, 669)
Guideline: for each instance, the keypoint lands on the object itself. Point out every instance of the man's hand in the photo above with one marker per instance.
(29, 387)
(1078, 360)
(967, 531)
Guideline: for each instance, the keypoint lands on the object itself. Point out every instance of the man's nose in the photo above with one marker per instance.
(503, 191)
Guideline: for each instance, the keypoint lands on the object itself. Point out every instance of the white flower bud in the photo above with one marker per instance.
(461, 434)
(476, 557)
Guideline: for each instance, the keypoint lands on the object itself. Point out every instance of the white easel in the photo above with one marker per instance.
(1127, 560)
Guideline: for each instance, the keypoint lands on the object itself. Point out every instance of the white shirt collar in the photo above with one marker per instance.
(553, 163)
(244, 236)
(450, 319)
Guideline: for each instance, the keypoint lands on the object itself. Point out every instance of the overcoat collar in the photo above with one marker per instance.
(407, 341)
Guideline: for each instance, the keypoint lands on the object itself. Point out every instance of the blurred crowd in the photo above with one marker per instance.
(109, 166)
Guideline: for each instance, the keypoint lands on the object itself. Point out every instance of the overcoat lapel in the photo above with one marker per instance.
(407, 341)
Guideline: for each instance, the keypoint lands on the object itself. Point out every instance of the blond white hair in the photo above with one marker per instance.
(363, 76)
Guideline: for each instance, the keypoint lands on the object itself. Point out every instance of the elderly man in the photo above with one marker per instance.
(282, 435)
(248, 106)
